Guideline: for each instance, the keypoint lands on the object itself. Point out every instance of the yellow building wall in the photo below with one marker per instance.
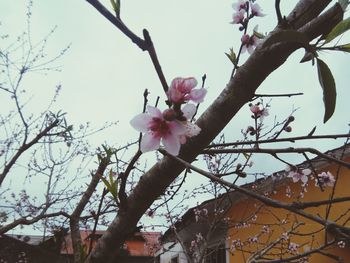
(309, 235)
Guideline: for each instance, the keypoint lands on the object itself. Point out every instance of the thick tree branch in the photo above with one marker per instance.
(75, 216)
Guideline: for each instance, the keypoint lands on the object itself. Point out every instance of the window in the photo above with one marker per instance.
(157, 259)
(175, 259)
(216, 255)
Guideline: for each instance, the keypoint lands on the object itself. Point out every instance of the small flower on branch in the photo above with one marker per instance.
(182, 90)
(341, 244)
(284, 236)
(238, 17)
(258, 110)
(240, 5)
(173, 126)
(253, 239)
(293, 248)
(156, 128)
(249, 43)
(325, 179)
(256, 10)
(298, 175)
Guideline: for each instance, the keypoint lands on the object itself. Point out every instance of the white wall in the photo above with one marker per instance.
(171, 250)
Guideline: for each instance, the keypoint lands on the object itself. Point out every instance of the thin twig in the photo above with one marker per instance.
(275, 151)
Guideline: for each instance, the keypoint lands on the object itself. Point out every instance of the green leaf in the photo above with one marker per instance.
(327, 82)
(258, 34)
(345, 48)
(116, 6)
(111, 187)
(339, 29)
(232, 56)
(292, 36)
(113, 5)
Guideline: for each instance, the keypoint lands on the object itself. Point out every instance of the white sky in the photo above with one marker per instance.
(104, 74)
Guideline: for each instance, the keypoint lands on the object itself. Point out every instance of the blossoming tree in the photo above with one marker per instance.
(311, 25)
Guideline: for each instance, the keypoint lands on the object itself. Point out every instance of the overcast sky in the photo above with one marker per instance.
(104, 74)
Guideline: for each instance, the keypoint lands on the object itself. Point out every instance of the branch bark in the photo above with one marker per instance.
(239, 91)
(75, 216)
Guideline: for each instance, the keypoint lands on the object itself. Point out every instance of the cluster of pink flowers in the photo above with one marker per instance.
(196, 242)
(172, 126)
(341, 244)
(297, 174)
(265, 229)
(241, 8)
(213, 162)
(200, 213)
(323, 179)
(293, 248)
(244, 11)
(253, 239)
(236, 243)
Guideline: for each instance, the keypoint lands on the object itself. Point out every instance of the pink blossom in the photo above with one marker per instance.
(258, 111)
(255, 109)
(199, 237)
(288, 192)
(297, 174)
(341, 244)
(256, 10)
(238, 17)
(156, 128)
(182, 90)
(293, 248)
(265, 229)
(285, 236)
(249, 43)
(240, 5)
(235, 244)
(191, 129)
(325, 179)
(253, 239)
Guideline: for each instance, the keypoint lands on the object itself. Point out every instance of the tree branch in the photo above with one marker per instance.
(75, 216)
(289, 139)
(283, 150)
(118, 23)
(24, 147)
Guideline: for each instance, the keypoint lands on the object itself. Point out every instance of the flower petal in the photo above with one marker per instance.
(307, 171)
(141, 122)
(175, 96)
(189, 110)
(149, 142)
(176, 128)
(304, 178)
(172, 144)
(192, 129)
(197, 95)
(154, 112)
(183, 85)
